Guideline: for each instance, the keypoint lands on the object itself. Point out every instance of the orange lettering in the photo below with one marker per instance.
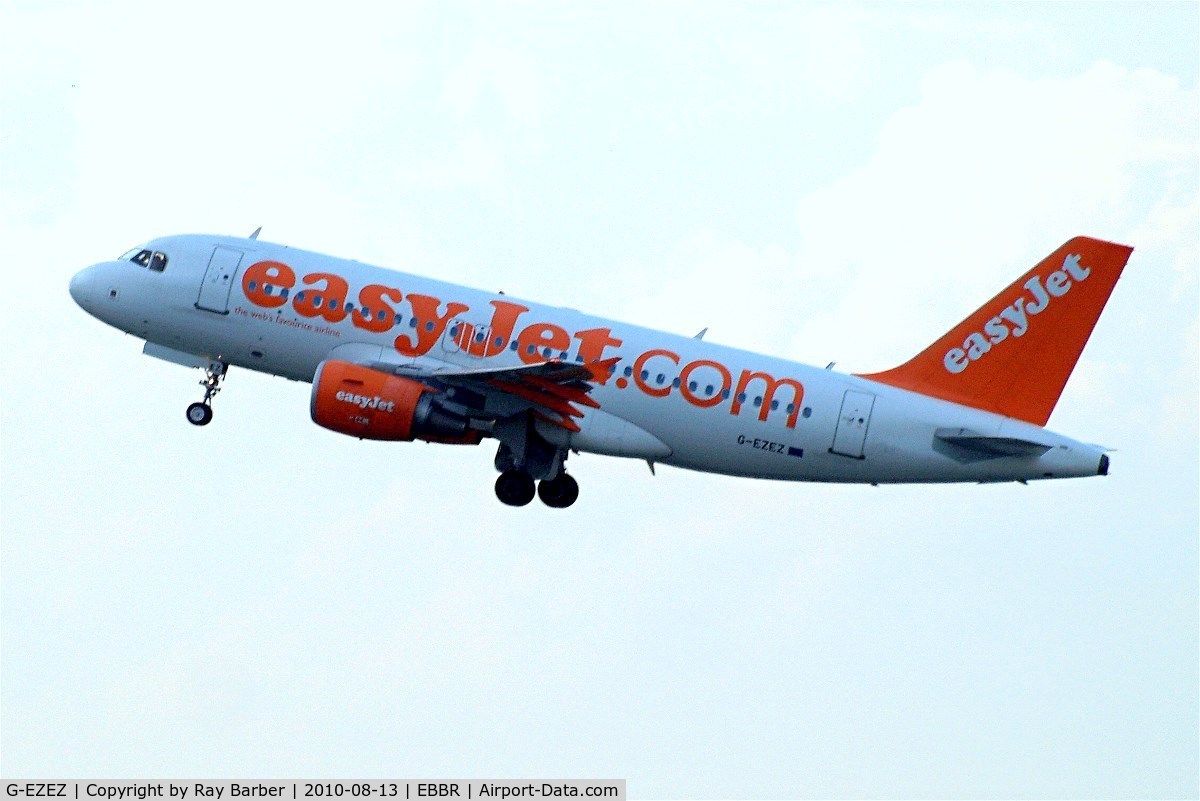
(639, 366)
(684, 380)
(592, 343)
(504, 319)
(429, 324)
(772, 384)
(267, 273)
(328, 303)
(539, 336)
(373, 298)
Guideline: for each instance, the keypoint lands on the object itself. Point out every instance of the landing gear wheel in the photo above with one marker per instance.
(514, 487)
(199, 414)
(559, 492)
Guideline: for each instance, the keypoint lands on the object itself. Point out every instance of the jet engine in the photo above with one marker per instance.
(369, 404)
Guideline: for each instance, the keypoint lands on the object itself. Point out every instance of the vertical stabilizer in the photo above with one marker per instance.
(1013, 355)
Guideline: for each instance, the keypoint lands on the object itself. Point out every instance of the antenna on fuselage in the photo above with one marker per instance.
(257, 231)
(703, 331)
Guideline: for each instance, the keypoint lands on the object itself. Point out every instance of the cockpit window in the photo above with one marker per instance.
(153, 259)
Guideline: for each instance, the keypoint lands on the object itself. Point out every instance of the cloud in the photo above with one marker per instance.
(266, 594)
(970, 186)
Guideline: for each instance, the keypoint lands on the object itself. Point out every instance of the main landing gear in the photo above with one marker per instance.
(558, 492)
(531, 465)
(516, 488)
(200, 414)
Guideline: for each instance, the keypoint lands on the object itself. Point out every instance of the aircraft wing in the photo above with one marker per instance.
(552, 389)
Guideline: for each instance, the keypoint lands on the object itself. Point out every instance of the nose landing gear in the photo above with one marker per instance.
(200, 414)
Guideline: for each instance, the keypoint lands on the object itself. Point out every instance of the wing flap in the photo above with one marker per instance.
(552, 389)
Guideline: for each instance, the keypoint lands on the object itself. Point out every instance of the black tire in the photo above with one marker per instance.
(199, 414)
(514, 488)
(560, 492)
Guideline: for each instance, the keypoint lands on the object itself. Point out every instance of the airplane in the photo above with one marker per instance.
(394, 356)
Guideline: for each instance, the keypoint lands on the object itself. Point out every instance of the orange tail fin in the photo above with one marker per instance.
(1013, 356)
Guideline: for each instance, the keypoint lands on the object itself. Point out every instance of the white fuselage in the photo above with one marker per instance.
(671, 399)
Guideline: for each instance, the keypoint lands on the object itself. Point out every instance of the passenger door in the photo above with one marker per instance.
(218, 280)
(853, 421)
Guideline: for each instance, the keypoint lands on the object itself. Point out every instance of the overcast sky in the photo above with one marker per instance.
(264, 598)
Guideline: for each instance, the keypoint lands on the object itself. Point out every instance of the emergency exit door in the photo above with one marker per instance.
(852, 425)
(218, 280)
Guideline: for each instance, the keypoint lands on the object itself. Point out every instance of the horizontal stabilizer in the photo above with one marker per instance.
(990, 445)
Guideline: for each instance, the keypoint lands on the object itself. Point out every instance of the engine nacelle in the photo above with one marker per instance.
(365, 403)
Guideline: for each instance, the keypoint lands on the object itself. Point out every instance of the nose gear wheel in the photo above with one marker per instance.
(200, 414)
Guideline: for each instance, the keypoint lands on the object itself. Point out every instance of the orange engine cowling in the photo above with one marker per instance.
(365, 403)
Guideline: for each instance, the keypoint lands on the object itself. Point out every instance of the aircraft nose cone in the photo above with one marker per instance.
(81, 285)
